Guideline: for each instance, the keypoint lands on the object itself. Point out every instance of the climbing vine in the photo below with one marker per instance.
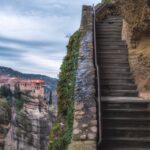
(61, 132)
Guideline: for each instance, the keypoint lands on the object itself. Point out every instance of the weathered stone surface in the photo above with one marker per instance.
(94, 122)
(83, 137)
(88, 145)
(76, 131)
(85, 125)
(94, 129)
(79, 106)
(75, 124)
(93, 109)
(91, 136)
(79, 113)
(78, 117)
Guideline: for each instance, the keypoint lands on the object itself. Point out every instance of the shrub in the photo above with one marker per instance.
(106, 1)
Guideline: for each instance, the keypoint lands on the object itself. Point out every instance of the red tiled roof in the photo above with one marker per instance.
(37, 81)
(32, 81)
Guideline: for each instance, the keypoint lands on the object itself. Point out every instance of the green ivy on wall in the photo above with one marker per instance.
(60, 136)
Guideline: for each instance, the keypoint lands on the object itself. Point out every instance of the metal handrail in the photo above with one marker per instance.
(98, 79)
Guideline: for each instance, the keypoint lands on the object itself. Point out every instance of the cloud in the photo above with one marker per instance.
(33, 33)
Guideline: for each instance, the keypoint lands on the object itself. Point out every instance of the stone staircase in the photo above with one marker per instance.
(125, 116)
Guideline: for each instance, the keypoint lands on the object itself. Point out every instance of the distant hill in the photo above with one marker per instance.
(52, 82)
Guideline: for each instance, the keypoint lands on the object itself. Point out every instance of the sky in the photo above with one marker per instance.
(34, 33)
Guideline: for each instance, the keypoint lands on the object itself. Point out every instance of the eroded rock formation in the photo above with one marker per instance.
(136, 32)
(29, 128)
(136, 14)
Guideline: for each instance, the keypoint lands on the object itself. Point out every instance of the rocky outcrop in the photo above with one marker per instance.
(136, 32)
(29, 127)
(137, 15)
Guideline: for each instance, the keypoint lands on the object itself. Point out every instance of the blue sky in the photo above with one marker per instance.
(33, 33)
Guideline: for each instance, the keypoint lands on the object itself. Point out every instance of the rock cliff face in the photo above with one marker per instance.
(28, 128)
(136, 32)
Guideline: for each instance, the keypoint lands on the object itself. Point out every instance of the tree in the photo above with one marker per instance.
(50, 98)
(18, 98)
(5, 92)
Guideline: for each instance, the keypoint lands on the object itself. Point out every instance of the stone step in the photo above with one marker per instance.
(113, 41)
(126, 122)
(126, 142)
(106, 53)
(117, 47)
(102, 22)
(133, 113)
(113, 51)
(99, 26)
(109, 40)
(121, 148)
(113, 61)
(115, 77)
(126, 132)
(119, 81)
(116, 33)
(108, 34)
(105, 36)
(114, 18)
(111, 21)
(110, 43)
(105, 30)
(118, 74)
(119, 86)
(109, 24)
(108, 29)
(112, 56)
(125, 103)
(108, 69)
(129, 93)
(115, 65)
(106, 60)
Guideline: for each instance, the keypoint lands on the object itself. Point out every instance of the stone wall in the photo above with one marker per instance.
(85, 119)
